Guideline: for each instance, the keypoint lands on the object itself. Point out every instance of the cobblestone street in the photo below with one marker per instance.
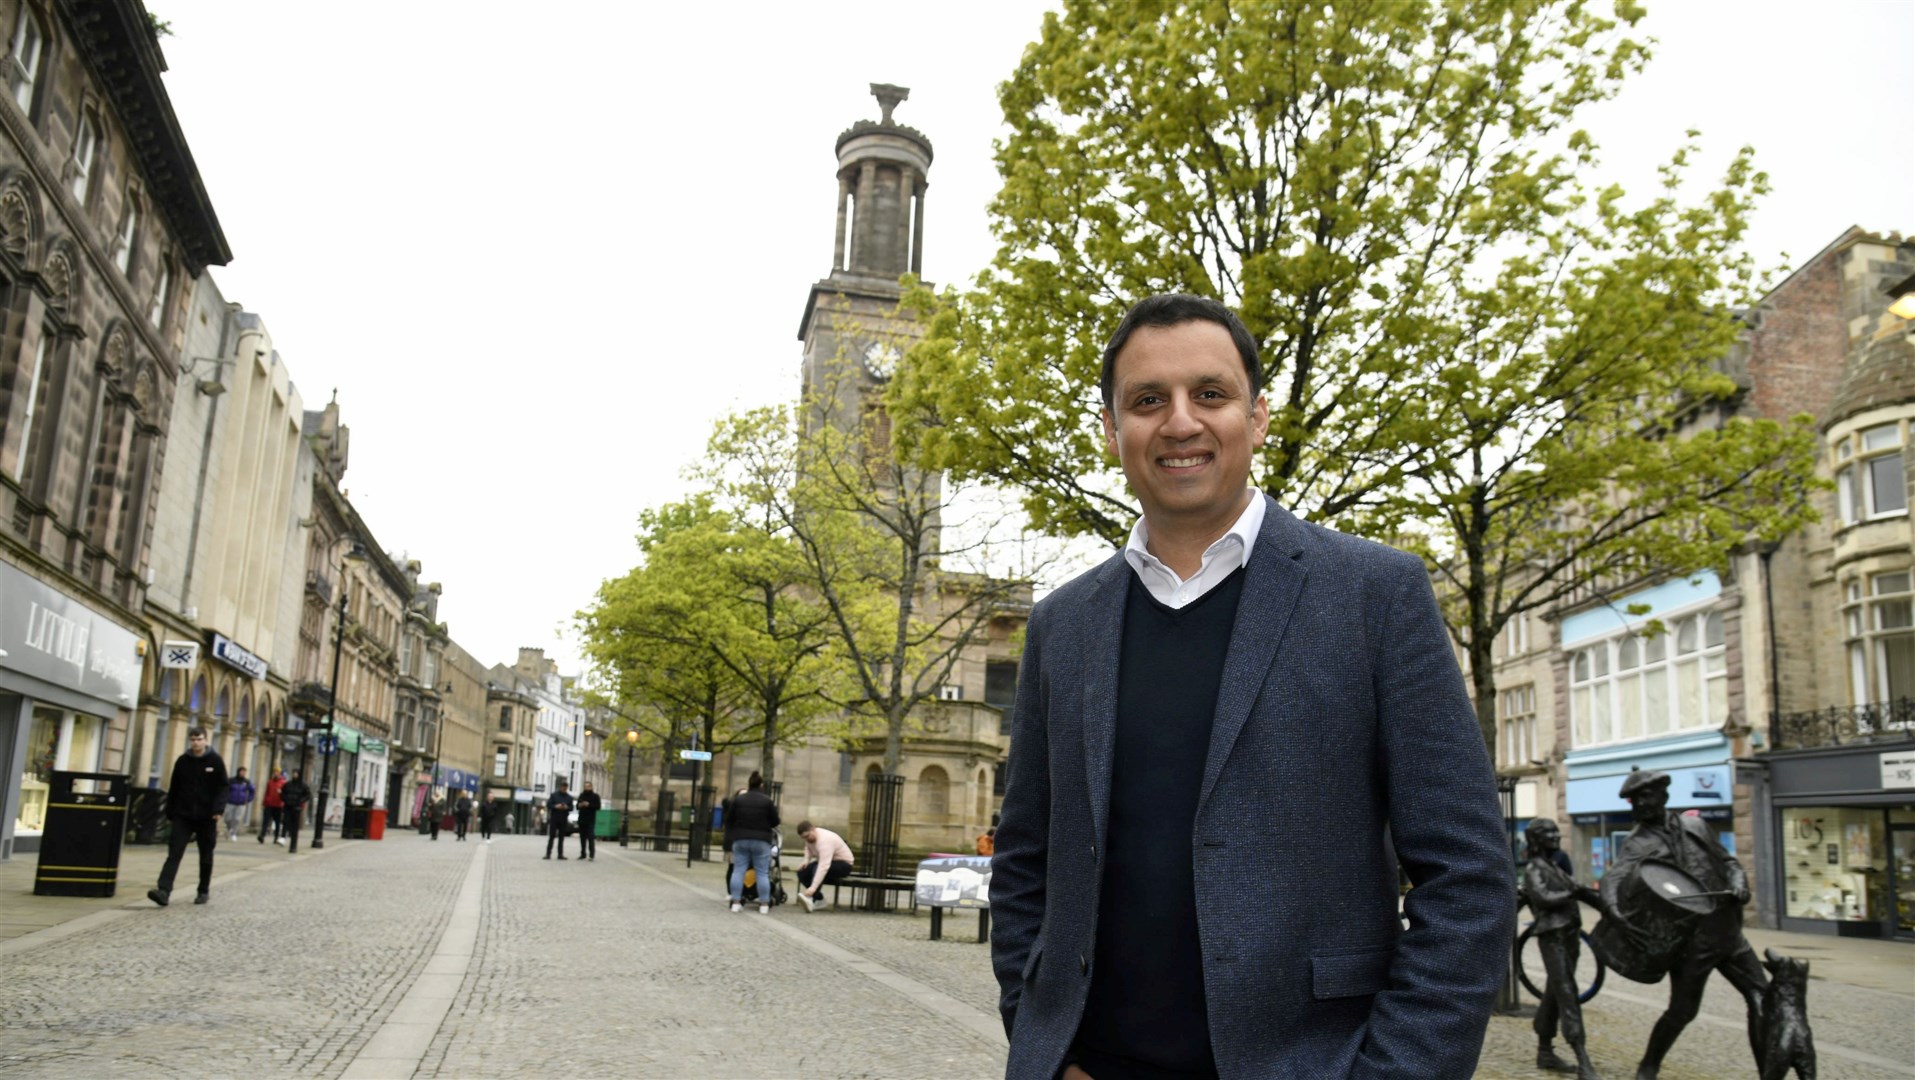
(413, 958)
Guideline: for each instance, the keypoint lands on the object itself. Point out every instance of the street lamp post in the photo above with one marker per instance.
(625, 824)
(332, 714)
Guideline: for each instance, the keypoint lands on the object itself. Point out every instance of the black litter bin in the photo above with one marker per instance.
(80, 849)
(357, 821)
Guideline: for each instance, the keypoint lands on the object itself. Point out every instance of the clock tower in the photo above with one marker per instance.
(852, 335)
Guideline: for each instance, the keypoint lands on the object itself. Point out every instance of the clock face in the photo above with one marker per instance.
(881, 360)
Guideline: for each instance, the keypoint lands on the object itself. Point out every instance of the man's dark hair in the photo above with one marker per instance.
(757, 780)
(805, 827)
(197, 732)
(1175, 309)
(564, 783)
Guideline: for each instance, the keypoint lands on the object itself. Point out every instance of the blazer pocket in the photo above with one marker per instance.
(1350, 974)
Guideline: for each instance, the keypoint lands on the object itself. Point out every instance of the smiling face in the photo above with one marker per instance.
(1184, 421)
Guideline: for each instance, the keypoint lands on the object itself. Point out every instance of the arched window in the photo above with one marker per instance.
(197, 702)
(934, 792)
(222, 708)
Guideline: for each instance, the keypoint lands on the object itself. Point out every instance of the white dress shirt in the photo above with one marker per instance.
(1220, 560)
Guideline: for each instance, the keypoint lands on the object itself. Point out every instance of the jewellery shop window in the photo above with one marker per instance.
(1835, 864)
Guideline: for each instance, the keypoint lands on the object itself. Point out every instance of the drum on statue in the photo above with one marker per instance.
(1655, 907)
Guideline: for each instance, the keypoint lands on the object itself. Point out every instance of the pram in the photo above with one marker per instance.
(750, 891)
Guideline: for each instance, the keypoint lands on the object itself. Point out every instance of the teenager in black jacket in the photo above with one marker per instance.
(195, 798)
(751, 828)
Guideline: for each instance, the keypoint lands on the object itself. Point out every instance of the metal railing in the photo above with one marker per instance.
(1838, 725)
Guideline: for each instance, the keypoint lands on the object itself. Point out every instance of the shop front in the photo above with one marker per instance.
(1843, 839)
(69, 678)
(1700, 782)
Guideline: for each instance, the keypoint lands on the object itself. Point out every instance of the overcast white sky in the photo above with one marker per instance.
(538, 250)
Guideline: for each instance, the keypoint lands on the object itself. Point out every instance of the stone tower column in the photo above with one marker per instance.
(844, 197)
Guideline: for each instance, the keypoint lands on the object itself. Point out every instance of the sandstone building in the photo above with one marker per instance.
(104, 224)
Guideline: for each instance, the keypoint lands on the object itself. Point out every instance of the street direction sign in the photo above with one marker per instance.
(695, 755)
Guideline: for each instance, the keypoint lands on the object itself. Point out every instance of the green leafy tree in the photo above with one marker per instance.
(1579, 433)
(1331, 171)
(905, 597)
(1464, 346)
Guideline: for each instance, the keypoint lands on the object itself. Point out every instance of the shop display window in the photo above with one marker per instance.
(1835, 863)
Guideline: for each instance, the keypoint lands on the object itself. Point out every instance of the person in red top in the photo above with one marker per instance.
(275, 807)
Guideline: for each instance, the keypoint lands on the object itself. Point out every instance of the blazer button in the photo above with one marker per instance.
(1093, 854)
(1083, 963)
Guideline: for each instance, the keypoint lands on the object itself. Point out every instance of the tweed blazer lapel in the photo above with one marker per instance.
(1103, 628)
(1272, 582)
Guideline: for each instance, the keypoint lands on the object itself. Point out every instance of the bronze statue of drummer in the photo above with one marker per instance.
(1692, 931)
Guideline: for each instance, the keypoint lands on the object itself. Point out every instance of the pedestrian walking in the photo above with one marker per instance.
(295, 795)
(272, 808)
(588, 804)
(435, 809)
(194, 799)
(823, 848)
(558, 811)
(488, 814)
(461, 815)
(239, 795)
(751, 827)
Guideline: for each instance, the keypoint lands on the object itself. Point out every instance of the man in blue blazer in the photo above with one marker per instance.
(1227, 740)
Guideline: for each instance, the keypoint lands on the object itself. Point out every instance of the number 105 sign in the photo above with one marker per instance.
(1898, 770)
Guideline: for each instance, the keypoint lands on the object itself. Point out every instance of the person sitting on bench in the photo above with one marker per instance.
(822, 848)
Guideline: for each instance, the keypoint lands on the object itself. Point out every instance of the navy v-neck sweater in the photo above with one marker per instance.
(1145, 1018)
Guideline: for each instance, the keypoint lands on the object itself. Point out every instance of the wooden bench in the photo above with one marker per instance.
(881, 884)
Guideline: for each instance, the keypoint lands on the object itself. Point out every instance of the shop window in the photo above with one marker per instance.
(1633, 686)
(1835, 863)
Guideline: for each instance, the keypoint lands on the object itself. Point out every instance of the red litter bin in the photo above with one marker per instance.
(376, 824)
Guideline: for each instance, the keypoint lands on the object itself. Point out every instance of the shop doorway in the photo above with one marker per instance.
(1901, 881)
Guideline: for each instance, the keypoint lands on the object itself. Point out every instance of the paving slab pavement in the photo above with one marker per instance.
(405, 957)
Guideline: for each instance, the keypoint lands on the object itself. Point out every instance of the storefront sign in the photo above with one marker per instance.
(179, 655)
(51, 636)
(1898, 770)
(459, 779)
(348, 737)
(225, 648)
(521, 795)
(1704, 786)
